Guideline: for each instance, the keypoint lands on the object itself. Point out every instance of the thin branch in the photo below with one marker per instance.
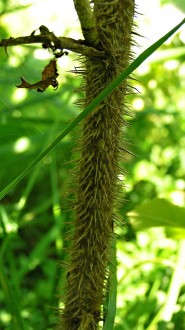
(55, 43)
(87, 21)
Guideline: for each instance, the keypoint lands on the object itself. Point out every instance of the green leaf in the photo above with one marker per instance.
(157, 213)
(177, 3)
(176, 233)
(168, 54)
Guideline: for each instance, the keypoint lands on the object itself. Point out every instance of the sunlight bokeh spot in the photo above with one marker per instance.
(171, 65)
(144, 170)
(152, 84)
(41, 54)
(177, 197)
(19, 94)
(5, 317)
(21, 145)
(138, 103)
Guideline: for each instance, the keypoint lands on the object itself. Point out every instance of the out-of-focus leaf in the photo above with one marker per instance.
(157, 213)
(177, 3)
(175, 233)
(168, 54)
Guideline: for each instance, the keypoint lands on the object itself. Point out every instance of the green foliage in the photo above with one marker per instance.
(157, 213)
(178, 3)
(31, 219)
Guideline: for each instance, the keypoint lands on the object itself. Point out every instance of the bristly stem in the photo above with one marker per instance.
(97, 188)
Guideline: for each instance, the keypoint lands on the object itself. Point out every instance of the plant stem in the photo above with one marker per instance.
(97, 187)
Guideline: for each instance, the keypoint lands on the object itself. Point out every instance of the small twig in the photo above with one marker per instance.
(87, 21)
(76, 46)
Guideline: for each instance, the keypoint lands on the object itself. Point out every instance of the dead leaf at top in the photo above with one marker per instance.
(49, 75)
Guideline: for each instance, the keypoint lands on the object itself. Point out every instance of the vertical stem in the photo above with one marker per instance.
(97, 186)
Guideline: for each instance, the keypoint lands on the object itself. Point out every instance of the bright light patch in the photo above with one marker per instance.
(17, 55)
(140, 88)
(181, 103)
(182, 36)
(143, 239)
(19, 95)
(5, 317)
(182, 70)
(121, 177)
(21, 203)
(144, 170)
(21, 145)
(9, 225)
(56, 15)
(177, 197)
(171, 65)
(180, 184)
(42, 54)
(57, 210)
(152, 84)
(143, 69)
(61, 305)
(14, 61)
(138, 103)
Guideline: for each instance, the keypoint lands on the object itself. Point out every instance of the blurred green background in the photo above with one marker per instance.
(35, 216)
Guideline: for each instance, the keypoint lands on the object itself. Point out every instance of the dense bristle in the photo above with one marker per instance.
(97, 183)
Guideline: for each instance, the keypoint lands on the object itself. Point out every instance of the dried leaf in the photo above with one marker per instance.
(49, 76)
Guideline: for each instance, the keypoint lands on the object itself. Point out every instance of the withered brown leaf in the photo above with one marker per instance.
(49, 75)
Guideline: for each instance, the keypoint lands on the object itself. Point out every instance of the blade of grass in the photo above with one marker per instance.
(11, 300)
(112, 292)
(134, 65)
(56, 202)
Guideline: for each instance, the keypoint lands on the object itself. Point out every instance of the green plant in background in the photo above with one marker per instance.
(84, 311)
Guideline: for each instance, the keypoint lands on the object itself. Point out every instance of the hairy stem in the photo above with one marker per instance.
(98, 171)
